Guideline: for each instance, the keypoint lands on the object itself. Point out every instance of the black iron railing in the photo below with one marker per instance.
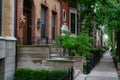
(96, 58)
(69, 75)
(35, 40)
(115, 62)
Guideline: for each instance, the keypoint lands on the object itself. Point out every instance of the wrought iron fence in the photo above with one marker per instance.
(69, 75)
(115, 62)
(35, 40)
(96, 58)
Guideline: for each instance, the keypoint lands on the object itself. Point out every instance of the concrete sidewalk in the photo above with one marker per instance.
(104, 70)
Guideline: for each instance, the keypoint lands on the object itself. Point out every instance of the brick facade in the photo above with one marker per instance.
(69, 8)
(50, 5)
(65, 7)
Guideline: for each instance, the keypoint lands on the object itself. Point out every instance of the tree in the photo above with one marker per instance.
(79, 45)
(111, 21)
(104, 12)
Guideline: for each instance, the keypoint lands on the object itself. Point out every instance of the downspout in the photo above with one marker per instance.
(15, 28)
(60, 16)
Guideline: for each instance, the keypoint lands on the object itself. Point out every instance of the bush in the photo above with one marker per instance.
(79, 45)
(29, 74)
(56, 74)
(23, 74)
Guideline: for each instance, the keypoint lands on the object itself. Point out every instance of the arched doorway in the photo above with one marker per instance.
(27, 29)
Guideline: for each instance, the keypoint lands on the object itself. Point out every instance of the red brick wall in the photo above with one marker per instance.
(65, 6)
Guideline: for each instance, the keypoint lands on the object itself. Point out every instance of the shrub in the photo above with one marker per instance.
(79, 45)
(23, 74)
(29, 74)
(56, 74)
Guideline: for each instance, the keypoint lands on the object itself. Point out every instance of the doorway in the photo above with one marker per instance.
(43, 28)
(27, 28)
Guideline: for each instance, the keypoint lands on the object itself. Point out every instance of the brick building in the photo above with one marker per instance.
(65, 13)
(7, 40)
(37, 21)
(70, 16)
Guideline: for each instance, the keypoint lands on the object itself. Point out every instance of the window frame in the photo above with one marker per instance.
(64, 15)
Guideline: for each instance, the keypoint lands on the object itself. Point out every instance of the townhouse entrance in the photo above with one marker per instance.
(27, 28)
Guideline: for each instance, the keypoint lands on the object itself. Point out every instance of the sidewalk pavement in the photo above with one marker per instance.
(81, 77)
(104, 70)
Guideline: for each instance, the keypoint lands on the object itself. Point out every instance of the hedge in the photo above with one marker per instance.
(29, 74)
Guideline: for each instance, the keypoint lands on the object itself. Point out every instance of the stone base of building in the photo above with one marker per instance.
(7, 57)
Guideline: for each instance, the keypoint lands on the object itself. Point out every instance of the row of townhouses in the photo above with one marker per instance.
(26, 23)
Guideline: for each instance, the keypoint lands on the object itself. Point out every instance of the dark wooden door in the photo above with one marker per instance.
(27, 27)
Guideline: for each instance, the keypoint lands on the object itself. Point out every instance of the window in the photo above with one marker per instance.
(1, 14)
(73, 21)
(43, 20)
(64, 15)
(53, 25)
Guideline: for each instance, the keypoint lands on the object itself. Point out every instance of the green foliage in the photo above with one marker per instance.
(85, 69)
(113, 52)
(39, 75)
(23, 74)
(103, 12)
(108, 15)
(79, 45)
(117, 58)
(29, 74)
(56, 74)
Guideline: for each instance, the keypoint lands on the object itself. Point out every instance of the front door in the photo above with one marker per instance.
(73, 23)
(27, 27)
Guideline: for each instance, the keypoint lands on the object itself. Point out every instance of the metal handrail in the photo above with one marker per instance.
(69, 75)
